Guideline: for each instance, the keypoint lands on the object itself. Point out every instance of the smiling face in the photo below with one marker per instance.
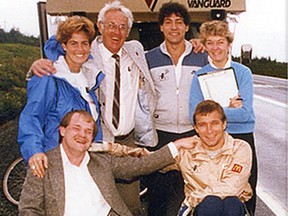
(174, 29)
(218, 49)
(114, 30)
(210, 128)
(77, 51)
(77, 136)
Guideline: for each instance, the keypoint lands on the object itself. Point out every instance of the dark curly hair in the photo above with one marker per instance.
(176, 8)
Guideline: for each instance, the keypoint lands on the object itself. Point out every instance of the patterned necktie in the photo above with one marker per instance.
(116, 100)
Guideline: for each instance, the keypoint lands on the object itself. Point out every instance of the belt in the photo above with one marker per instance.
(123, 137)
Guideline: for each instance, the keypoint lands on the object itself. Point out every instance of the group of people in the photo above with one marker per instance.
(108, 89)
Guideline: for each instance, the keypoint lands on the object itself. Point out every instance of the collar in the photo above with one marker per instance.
(89, 70)
(63, 68)
(61, 63)
(106, 54)
(227, 65)
(66, 161)
(188, 48)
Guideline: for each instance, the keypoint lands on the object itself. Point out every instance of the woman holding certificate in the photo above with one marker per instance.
(217, 80)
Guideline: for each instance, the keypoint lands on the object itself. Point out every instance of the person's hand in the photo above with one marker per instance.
(38, 163)
(42, 67)
(236, 102)
(197, 45)
(186, 143)
(122, 150)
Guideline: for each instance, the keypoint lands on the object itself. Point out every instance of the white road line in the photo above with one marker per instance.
(277, 103)
(262, 85)
(272, 202)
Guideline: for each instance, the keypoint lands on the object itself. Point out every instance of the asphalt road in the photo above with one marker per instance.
(270, 103)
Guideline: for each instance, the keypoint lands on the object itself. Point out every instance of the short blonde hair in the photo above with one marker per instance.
(75, 24)
(215, 28)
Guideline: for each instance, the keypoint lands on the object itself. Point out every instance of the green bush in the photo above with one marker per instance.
(15, 61)
(267, 67)
(11, 103)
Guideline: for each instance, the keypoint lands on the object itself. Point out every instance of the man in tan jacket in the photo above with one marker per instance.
(216, 170)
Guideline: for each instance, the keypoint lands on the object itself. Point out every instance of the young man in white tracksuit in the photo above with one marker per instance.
(172, 66)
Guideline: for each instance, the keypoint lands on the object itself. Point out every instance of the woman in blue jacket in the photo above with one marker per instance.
(217, 39)
(72, 87)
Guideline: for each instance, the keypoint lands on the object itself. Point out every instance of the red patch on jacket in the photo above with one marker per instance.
(237, 168)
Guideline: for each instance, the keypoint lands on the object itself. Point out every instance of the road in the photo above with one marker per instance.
(270, 103)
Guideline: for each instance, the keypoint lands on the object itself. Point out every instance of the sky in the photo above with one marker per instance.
(263, 25)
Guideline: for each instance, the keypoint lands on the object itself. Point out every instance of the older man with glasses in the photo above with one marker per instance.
(114, 24)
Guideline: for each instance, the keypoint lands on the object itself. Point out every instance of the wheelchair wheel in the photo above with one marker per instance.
(13, 180)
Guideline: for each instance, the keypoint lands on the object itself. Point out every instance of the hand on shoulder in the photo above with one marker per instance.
(42, 67)
(187, 143)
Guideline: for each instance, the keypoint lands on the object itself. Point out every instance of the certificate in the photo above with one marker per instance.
(219, 86)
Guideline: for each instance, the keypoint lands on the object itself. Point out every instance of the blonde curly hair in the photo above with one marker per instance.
(215, 28)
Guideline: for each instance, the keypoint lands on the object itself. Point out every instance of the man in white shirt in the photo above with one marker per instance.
(136, 89)
(81, 183)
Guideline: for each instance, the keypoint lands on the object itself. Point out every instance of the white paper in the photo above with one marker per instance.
(219, 86)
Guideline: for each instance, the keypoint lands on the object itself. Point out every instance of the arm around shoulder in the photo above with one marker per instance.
(130, 167)
(40, 68)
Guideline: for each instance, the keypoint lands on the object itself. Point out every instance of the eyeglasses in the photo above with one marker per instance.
(114, 27)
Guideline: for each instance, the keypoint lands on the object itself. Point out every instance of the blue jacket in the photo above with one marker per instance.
(49, 99)
(239, 120)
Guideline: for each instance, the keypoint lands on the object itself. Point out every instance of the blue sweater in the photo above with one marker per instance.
(239, 120)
